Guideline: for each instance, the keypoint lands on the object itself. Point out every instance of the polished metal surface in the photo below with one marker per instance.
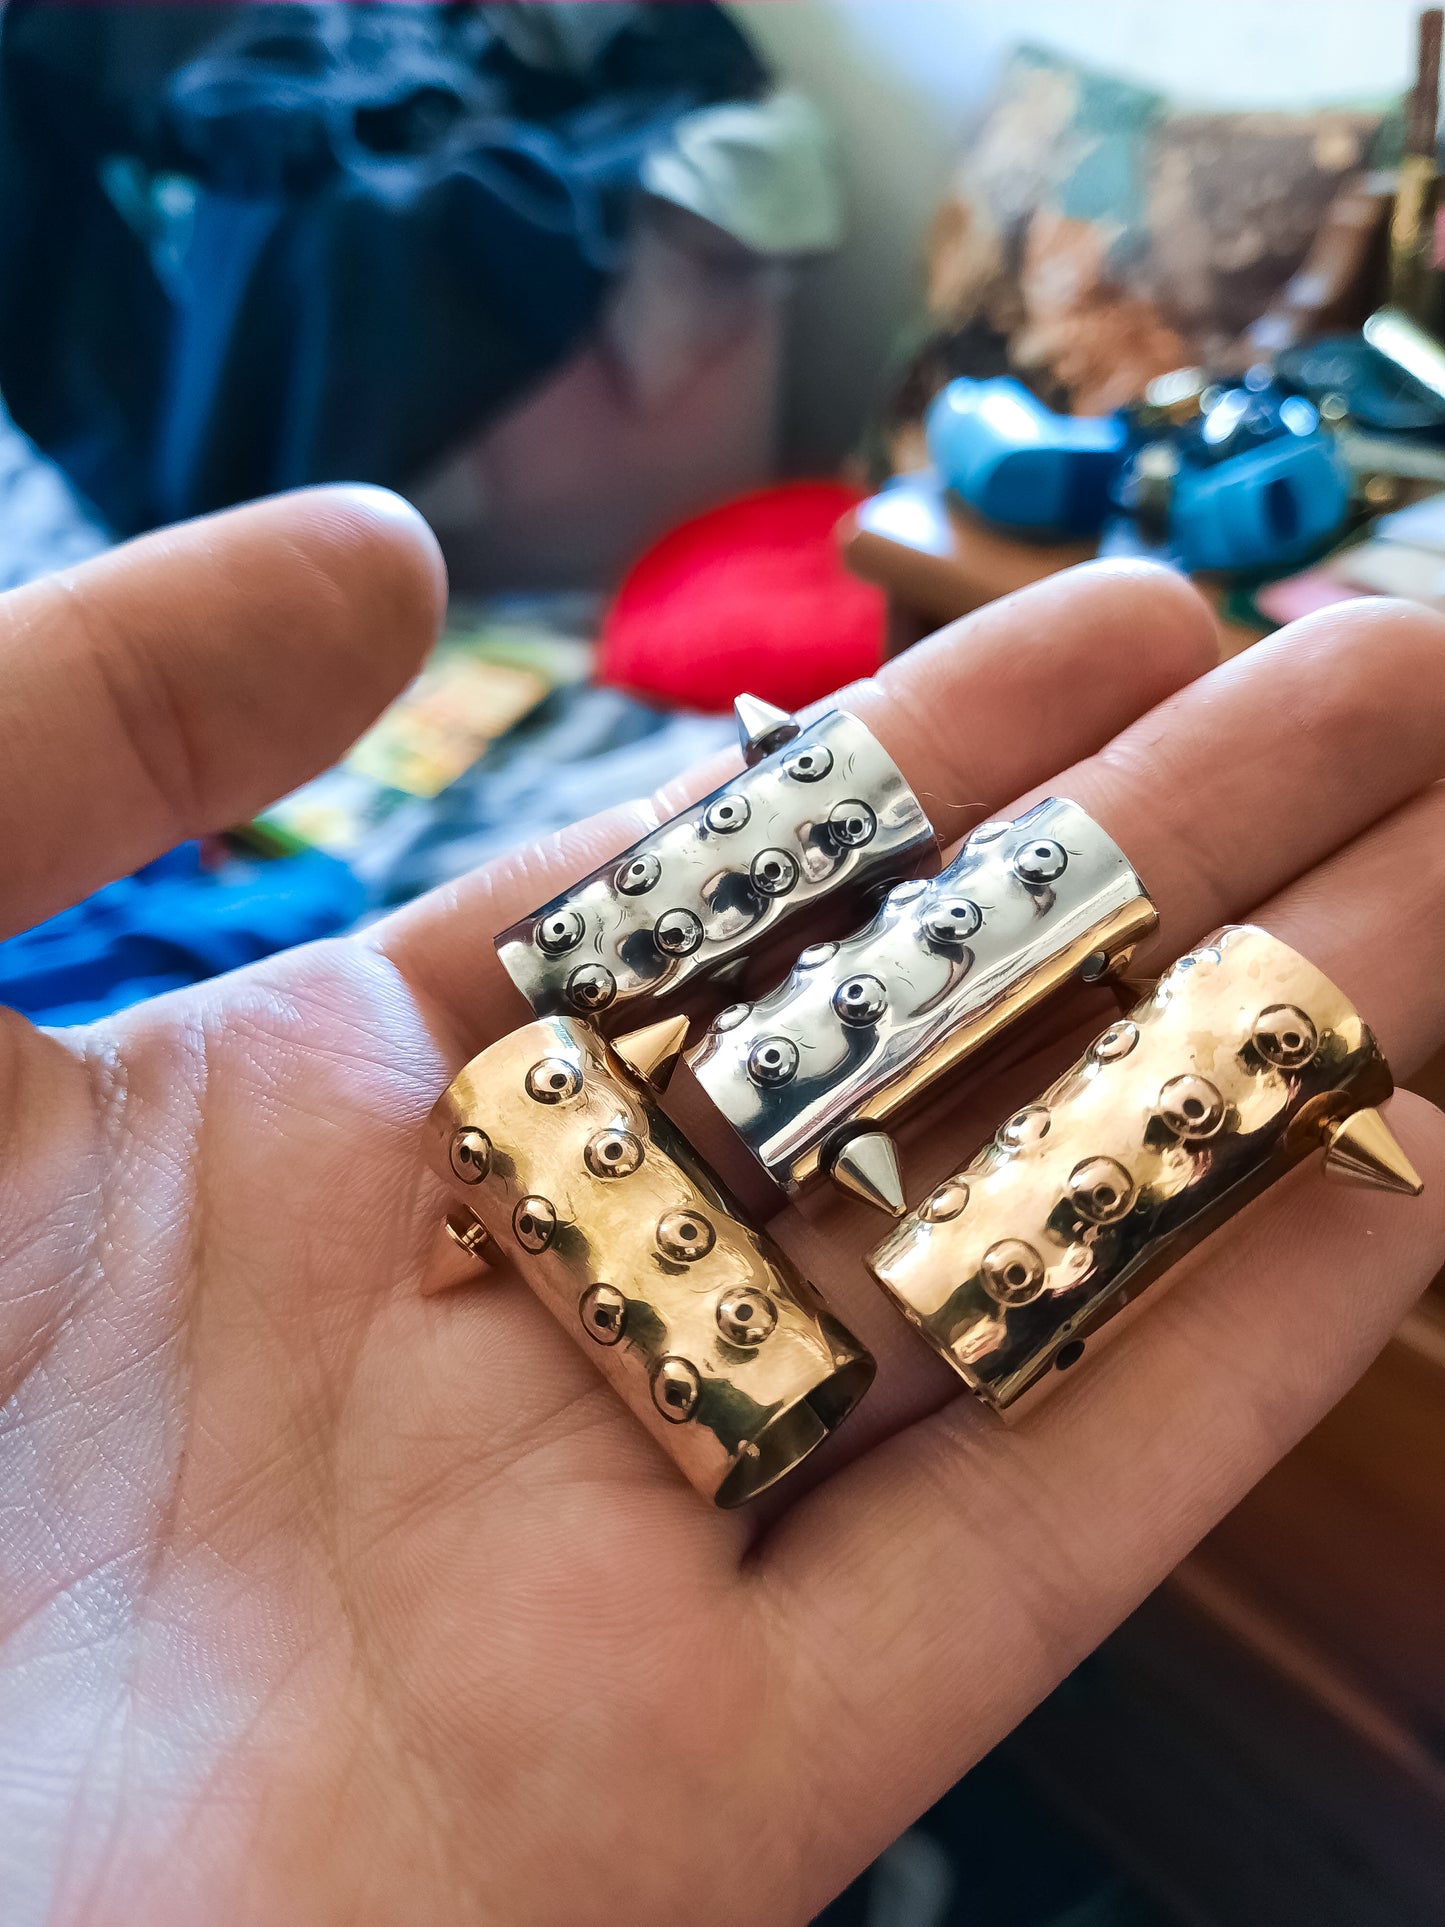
(571, 1174)
(861, 1028)
(1242, 1061)
(809, 837)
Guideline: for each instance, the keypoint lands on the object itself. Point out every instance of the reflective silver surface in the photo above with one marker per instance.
(862, 1027)
(810, 836)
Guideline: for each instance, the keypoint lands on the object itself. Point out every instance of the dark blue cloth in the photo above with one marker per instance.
(246, 248)
(172, 923)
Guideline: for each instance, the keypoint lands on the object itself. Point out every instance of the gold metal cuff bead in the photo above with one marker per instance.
(1242, 1061)
(559, 1160)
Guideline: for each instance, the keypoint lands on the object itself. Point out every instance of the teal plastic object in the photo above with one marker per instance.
(1015, 462)
(1262, 509)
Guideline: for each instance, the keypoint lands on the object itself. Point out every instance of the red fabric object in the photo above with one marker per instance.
(750, 596)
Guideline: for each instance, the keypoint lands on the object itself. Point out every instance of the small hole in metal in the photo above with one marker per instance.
(1069, 1354)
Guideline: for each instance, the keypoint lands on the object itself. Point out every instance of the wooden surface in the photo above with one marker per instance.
(1263, 1743)
(935, 562)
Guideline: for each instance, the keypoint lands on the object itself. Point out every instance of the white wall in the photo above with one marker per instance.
(900, 80)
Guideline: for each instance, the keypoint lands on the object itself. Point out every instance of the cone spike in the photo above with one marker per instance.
(1361, 1149)
(762, 727)
(651, 1053)
(868, 1167)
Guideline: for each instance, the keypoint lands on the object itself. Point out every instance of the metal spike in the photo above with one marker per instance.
(651, 1053)
(867, 1166)
(762, 727)
(1361, 1149)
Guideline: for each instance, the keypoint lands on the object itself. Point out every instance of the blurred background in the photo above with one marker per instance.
(736, 347)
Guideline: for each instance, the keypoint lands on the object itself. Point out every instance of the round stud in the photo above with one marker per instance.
(1012, 1272)
(727, 813)
(604, 1313)
(534, 1223)
(638, 874)
(851, 824)
(953, 920)
(815, 954)
(947, 1202)
(561, 931)
(471, 1154)
(860, 1000)
(988, 833)
(677, 933)
(908, 892)
(746, 1317)
(1101, 1190)
(1117, 1041)
(1285, 1036)
(676, 1389)
(810, 764)
(591, 987)
(773, 1061)
(1191, 1106)
(1040, 862)
(1029, 1126)
(730, 1018)
(553, 1080)
(773, 872)
(685, 1236)
(612, 1154)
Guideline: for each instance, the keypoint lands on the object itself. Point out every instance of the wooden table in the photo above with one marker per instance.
(935, 562)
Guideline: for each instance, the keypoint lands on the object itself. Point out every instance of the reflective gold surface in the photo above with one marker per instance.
(807, 838)
(724, 1352)
(1243, 1060)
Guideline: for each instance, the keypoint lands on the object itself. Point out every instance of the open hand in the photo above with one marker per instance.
(323, 1600)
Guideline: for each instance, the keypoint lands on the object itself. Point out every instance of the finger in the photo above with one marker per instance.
(1373, 919)
(1242, 782)
(973, 715)
(924, 1600)
(1058, 1528)
(1345, 711)
(1203, 795)
(1246, 778)
(181, 682)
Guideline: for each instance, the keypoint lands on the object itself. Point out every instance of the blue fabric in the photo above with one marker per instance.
(248, 247)
(172, 923)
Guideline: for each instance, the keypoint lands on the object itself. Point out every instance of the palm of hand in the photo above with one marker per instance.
(323, 1599)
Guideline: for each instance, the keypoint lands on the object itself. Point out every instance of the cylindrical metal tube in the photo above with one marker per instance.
(1243, 1060)
(812, 833)
(720, 1347)
(862, 1028)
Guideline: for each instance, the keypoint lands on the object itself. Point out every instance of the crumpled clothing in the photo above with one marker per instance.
(173, 923)
(763, 171)
(44, 525)
(584, 749)
(243, 249)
